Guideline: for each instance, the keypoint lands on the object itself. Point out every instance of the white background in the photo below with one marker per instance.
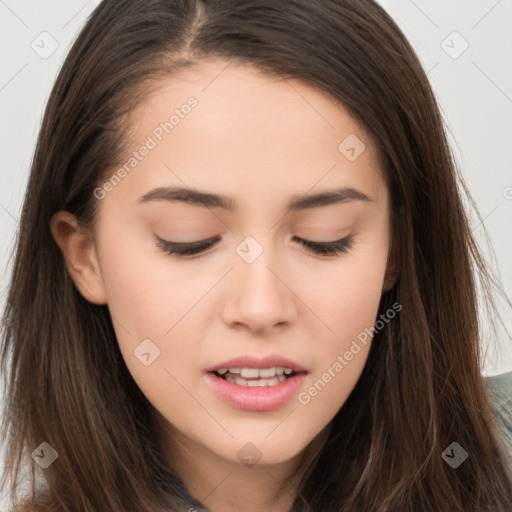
(474, 92)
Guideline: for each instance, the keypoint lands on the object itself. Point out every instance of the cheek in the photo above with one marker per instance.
(346, 301)
(149, 298)
(345, 294)
(153, 313)
(147, 292)
(339, 359)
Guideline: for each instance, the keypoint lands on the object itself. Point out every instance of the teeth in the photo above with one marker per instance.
(255, 376)
(255, 383)
(267, 382)
(255, 373)
(250, 373)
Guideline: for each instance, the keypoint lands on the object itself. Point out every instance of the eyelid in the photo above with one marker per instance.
(197, 248)
(182, 248)
(331, 248)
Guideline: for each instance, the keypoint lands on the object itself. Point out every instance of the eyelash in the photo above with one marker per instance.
(329, 249)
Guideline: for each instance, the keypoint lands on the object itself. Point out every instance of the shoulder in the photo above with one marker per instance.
(500, 392)
(192, 504)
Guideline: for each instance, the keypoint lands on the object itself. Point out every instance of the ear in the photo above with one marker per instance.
(392, 270)
(78, 248)
(390, 278)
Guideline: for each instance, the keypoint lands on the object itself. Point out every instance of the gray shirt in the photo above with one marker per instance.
(500, 390)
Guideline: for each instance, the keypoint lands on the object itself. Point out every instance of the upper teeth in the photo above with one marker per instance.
(248, 373)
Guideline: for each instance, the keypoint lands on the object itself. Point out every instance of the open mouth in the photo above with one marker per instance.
(255, 377)
(256, 389)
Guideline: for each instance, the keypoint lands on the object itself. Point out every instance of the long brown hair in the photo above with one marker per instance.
(421, 389)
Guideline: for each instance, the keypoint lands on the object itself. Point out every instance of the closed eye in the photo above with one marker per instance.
(193, 248)
(327, 248)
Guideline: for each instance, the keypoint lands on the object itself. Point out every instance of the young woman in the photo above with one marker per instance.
(244, 277)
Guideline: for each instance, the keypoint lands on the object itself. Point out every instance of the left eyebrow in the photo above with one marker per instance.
(209, 200)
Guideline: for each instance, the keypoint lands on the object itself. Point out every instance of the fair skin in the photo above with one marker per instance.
(260, 141)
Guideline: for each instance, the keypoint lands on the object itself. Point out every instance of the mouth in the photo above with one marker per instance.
(255, 377)
(256, 389)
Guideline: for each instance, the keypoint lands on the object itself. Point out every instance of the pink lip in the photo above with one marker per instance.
(256, 398)
(268, 361)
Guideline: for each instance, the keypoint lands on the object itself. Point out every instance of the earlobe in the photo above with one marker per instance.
(78, 248)
(392, 271)
(390, 280)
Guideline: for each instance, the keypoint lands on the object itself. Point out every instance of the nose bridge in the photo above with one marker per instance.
(259, 296)
(254, 268)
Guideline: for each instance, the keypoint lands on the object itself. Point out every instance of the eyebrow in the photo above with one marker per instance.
(209, 200)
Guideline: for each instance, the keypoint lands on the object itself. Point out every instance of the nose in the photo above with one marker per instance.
(260, 295)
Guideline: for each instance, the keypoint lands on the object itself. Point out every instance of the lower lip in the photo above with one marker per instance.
(256, 398)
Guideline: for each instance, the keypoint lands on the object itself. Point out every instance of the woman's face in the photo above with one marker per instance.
(262, 149)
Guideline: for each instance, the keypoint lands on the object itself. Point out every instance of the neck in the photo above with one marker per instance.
(224, 485)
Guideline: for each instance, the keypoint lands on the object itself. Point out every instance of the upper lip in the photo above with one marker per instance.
(254, 361)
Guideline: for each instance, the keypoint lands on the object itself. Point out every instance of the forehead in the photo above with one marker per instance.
(228, 128)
